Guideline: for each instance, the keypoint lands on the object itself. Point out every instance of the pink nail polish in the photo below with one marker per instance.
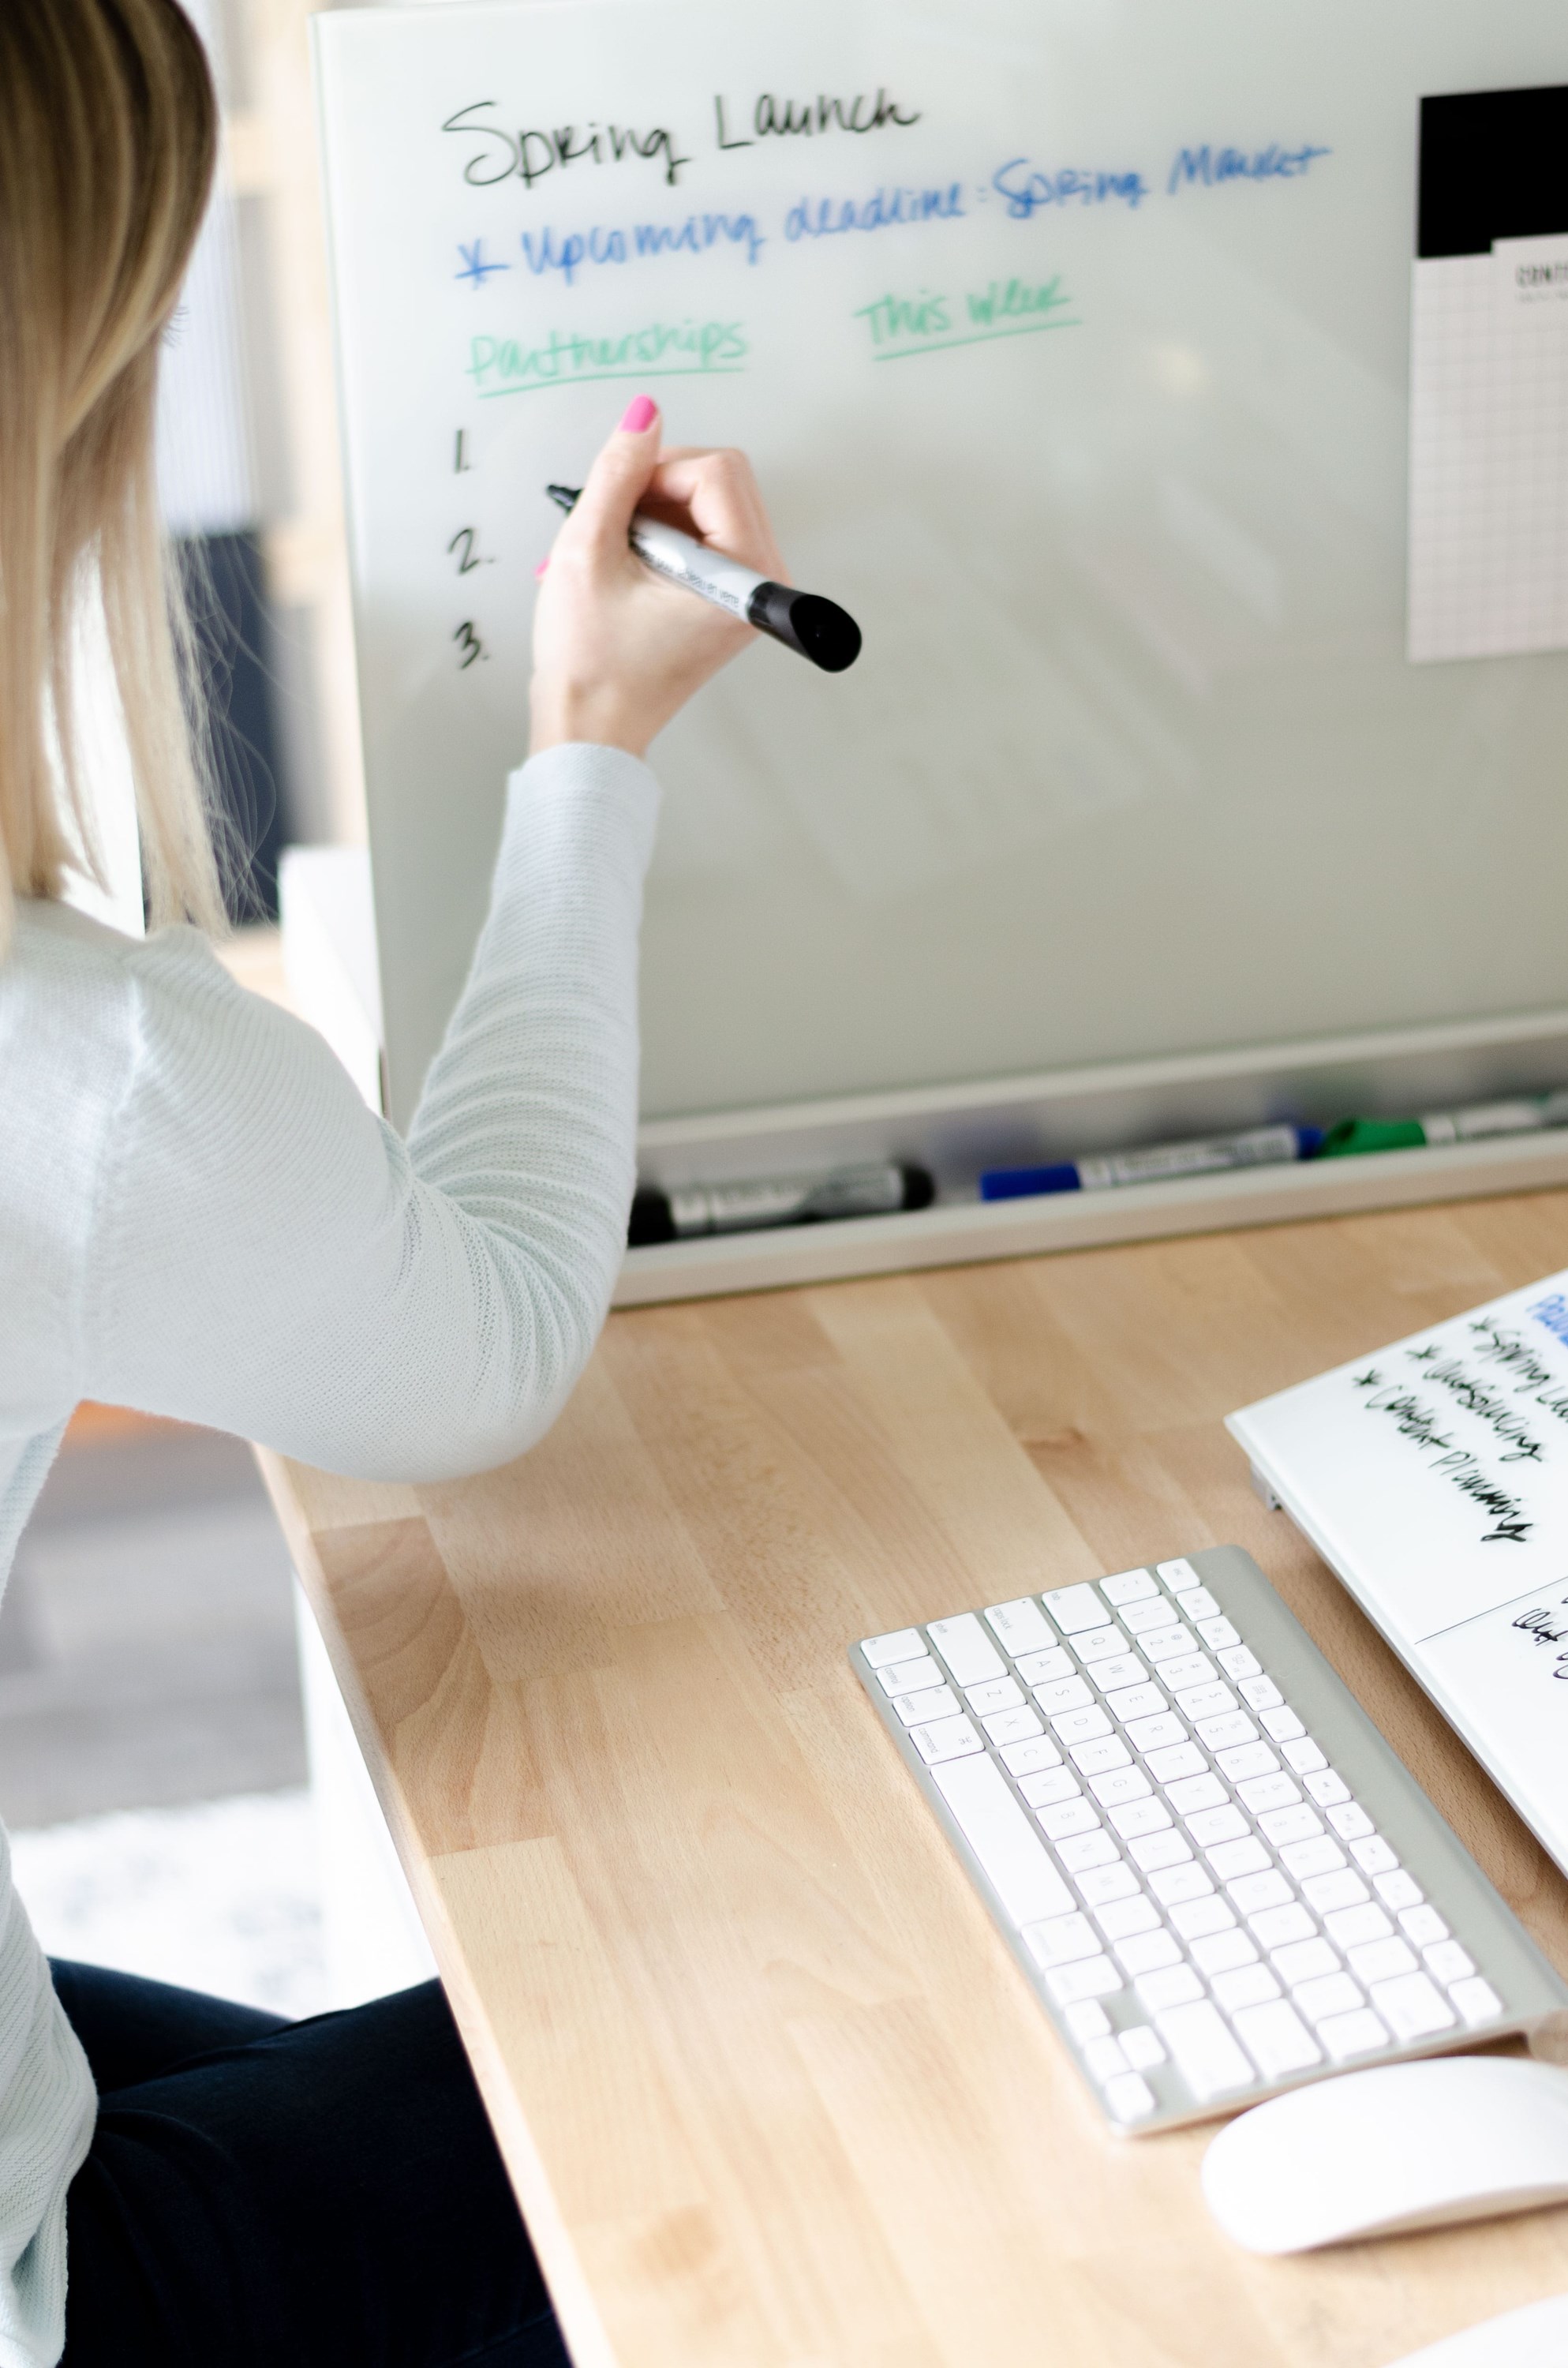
(541, 568)
(639, 413)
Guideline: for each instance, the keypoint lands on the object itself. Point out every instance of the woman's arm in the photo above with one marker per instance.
(269, 1256)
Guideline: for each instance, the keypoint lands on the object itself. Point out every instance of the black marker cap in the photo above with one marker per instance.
(819, 629)
(651, 1218)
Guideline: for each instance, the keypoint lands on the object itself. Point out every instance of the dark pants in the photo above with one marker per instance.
(267, 2194)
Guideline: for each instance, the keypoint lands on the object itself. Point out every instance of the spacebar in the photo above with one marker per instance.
(1017, 1865)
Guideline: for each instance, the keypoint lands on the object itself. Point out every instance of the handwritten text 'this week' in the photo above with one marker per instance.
(498, 153)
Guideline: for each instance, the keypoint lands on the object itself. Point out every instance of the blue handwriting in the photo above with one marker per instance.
(548, 250)
(1210, 167)
(829, 217)
(1027, 190)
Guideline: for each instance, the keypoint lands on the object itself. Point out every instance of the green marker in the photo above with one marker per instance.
(1525, 1117)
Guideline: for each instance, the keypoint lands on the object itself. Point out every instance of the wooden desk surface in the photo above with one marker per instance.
(769, 2088)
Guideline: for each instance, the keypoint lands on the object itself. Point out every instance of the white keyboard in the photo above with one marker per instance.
(1216, 1874)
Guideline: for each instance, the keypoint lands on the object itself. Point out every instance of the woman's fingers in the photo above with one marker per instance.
(714, 495)
(617, 480)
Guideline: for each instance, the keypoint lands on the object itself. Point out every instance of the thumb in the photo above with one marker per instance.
(620, 477)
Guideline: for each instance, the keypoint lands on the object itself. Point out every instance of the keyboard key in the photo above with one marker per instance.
(1178, 1574)
(1374, 1856)
(1165, 1737)
(1125, 1918)
(1129, 2098)
(1277, 2037)
(1040, 1668)
(1259, 1694)
(1340, 1889)
(1162, 1646)
(1171, 1884)
(931, 1701)
(1228, 1860)
(966, 1648)
(1273, 1794)
(1286, 1827)
(1423, 1925)
(1062, 1819)
(1119, 1784)
(1282, 1723)
(1192, 1669)
(947, 1738)
(1148, 1952)
(1086, 2019)
(1171, 1986)
(1412, 2007)
(1348, 2036)
(1238, 1662)
(1302, 1859)
(1398, 1889)
(1323, 1784)
(1141, 1817)
(1221, 1952)
(1118, 1671)
(1255, 1892)
(1103, 2059)
(1448, 1962)
(1275, 1928)
(1305, 1757)
(1012, 1725)
(1217, 1633)
(1080, 1725)
(1354, 1927)
(1349, 1820)
(1246, 1759)
(1027, 1759)
(900, 1645)
(1197, 1603)
(1016, 1862)
(1224, 1732)
(1208, 1826)
(1075, 1608)
(1380, 1961)
(1194, 1918)
(1095, 1978)
(1133, 1701)
(1331, 1994)
(1062, 1939)
(1054, 1784)
(1477, 2001)
(1192, 1792)
(1304, 1961)
(1019, 1627)
(1093, 1759)
(1078, 1853)
(1205, 2056)
(1202, 1701)
(910, 1677)
(1141, 2047)
(1248, 1985)
(996, 1693)
(1093, 1645)
(1141, 1620)
(1129, 1587)
(1063, 1693)
(1153, 1851)
(1100, 1884)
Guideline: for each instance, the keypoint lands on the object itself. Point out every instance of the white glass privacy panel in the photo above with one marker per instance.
(1071, 343)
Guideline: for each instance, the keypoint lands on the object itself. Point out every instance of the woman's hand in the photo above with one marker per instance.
(617, 650)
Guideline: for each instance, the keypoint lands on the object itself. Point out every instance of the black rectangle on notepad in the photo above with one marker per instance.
(1493, 164)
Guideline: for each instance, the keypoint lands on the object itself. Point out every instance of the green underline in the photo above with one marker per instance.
(594, 377)
(981, 337)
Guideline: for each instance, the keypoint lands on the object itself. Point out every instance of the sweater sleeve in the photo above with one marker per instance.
(271, 1259)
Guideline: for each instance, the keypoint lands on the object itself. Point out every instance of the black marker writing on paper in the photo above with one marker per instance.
(1420, 1423)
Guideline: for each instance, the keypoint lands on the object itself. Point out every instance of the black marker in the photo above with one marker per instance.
(819, 629)
(876, 1190)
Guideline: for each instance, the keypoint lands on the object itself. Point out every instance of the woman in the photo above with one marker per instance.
(198, 1217)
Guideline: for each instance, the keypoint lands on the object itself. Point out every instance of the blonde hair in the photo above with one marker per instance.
(108, 137)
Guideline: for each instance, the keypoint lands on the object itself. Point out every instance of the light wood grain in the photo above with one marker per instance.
(771, 2091)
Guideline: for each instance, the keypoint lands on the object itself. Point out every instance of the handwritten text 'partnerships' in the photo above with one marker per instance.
(658, 349)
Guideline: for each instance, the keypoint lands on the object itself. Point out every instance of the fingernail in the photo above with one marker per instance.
(639, 413)
(541, 568)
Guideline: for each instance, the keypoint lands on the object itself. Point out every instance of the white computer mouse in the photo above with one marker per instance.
(1406, 2145)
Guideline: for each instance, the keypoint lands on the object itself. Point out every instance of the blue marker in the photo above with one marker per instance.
(1262, 1146)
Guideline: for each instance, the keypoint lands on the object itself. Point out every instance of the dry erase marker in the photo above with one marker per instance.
(876, 1188)
(1261, 1147)
(1527, 1116)
(819, 629)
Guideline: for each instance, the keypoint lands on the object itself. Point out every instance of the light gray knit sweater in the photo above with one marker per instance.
(198, 1217)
